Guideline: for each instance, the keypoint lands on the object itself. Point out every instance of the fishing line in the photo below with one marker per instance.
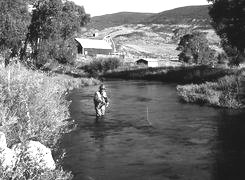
(147, 116)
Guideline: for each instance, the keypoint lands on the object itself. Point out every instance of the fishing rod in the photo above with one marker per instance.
(147, 116)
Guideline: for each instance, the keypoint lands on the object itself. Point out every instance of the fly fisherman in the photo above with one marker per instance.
(100, 101)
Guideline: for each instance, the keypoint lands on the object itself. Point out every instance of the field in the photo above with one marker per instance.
(151, 41)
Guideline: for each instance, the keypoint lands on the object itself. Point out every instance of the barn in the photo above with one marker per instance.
(93, 47)
(148, 62)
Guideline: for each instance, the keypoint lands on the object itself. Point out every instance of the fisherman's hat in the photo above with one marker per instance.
(102, 87)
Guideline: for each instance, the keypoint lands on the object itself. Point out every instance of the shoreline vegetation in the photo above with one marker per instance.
(33, 107)
(33, 103)
(179, 74)
(225, 92)
(219, 87)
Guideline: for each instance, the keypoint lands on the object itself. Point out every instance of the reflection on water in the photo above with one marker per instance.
(230, 153)
(185, 141)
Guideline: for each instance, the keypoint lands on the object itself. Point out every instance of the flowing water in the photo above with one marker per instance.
(183, 142)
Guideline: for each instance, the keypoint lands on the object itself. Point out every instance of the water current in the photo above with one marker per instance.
(149, 134)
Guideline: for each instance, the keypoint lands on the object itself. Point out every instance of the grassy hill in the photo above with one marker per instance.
(153, 35)
(193, 15)
(183, 15)
(117, 19)
(151, 40)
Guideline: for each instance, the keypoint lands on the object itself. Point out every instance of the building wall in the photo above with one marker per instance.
(94, 52)
(147, 63)
(153, 64)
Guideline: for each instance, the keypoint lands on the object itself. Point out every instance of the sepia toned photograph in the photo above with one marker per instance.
(122, 90)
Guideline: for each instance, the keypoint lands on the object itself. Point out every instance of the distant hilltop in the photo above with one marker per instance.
(117, 19)
(183, 15)
(193, 15)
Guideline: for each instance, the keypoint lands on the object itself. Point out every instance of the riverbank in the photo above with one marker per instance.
(33, 107)
(211, 86)
(188, 140)
(226, 92)
(182, 74)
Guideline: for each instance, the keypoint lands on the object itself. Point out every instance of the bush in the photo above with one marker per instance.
(110, 63)
(33, 105)
(222, 58)
(65, 52)
(223, 93)
(27, 172)
(61, 51)
(195, 49)
(102, 65)
(183, 74)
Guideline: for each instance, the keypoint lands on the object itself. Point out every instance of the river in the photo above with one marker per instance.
(174, 140)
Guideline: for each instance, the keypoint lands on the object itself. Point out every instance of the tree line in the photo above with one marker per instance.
(46, 32)
(228, 20)
(45, 27)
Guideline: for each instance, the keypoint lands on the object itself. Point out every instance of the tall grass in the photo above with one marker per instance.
(33, 105)
(223, 93)
(28, 172)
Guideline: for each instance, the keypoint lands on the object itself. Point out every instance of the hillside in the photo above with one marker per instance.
(117, 19)
(183, 15)
(139, 35)
(192, 15)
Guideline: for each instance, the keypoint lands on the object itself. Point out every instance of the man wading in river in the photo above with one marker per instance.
(100, 101)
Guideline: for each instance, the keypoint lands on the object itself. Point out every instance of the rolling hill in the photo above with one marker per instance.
(117, 19)
(183, 15)
(193, 15)
(138, 35)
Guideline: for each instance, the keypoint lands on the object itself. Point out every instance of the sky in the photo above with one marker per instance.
(101, 7)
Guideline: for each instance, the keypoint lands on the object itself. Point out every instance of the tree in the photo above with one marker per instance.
(194, 49)
(228, 19)
(179, 32)
(14, 20)
(53, 24)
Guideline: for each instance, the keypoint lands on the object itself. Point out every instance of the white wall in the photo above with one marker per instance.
(152, 63)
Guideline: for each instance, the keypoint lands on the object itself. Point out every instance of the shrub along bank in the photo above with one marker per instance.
(223, 93)
(33, 107)
(183, 74)
(216, 86)
(102, 65)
